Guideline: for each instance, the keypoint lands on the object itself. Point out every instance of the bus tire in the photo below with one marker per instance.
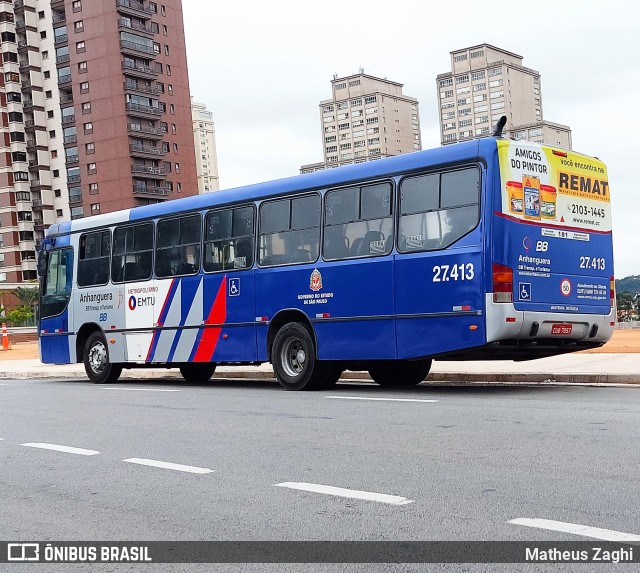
(96, 360)
(400, 372)
(334, 371)
(197, 371)
(294, 359)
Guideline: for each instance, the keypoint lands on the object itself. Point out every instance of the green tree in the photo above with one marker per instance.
(19, 315)
(28, 295)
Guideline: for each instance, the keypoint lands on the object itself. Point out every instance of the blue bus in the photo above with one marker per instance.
(486, 249)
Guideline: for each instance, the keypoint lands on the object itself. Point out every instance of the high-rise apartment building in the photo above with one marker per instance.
(204, 139)
(367, 118)
(96, 116)
(486, 83)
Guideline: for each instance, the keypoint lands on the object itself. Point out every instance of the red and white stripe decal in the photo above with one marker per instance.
(217, 315)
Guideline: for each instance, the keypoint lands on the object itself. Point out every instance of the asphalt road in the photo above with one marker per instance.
(236, 460)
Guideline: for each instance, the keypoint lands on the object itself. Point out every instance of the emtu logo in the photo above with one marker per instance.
(132, 303)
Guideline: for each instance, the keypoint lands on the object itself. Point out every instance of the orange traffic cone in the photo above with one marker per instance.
(6, 345)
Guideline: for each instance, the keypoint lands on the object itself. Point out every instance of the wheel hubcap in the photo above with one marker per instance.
(98, 357)
(293, 357)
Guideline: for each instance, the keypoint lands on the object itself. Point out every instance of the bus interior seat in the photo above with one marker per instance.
(243, 250)
(273, 260)
(133, 271)
(185, 269)
(364, 248)
(301, 256)
(355, 246)
(336, 246)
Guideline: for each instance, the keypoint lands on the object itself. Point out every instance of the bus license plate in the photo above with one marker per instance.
(561, 329)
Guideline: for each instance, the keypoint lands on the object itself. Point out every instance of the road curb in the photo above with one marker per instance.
(434, 377)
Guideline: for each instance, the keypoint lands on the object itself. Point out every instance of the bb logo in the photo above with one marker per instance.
(315, 284)
(542, 246)
(565, 287)
(132, 303)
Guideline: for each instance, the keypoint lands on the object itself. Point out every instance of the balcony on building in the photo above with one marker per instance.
(18, 4)
(36, 203)
(143, 189)
(134, 7)
(21, 25)
(138, 68)
(73, 178)
(72, 158)
(138, 26)
(67, 139)
(146, 150)
(27, 105)
(141, 109)
(58, 17)
(60, 39)
(148, 170)
(145, 131)
(135, 86)
(63, 59)
(29, 125)
(31, 144)
(22, 46)
(137, 47)
(75, 199)
(66, 97)
(64, 79)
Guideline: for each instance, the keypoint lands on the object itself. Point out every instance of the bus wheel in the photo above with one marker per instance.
(198, 371)
(294, 359)
(400, 373)
(96, 360)
(334, 371)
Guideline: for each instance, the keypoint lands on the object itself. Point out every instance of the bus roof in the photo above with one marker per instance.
(444, 155)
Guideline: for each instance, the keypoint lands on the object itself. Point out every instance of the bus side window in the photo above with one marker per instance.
(358, 222)
(438, 209)
(93, 259)
(132, 253)
(178, 246)
(290, 231)
(229, 239)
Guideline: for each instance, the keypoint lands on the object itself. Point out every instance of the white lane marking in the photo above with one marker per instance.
(141, 389)
(65, 449)
(169, 466)
(576, 529)
(343, 492)
(379, 399)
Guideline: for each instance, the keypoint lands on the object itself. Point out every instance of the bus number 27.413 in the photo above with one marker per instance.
(446, 273)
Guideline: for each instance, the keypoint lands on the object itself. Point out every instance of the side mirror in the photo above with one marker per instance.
(43, 257)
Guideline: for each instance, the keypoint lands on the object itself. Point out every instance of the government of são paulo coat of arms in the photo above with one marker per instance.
(315, 283)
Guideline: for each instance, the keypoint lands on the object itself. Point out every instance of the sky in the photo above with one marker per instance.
(262, 69)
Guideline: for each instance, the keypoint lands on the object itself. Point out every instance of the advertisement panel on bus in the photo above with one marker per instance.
(555, 207)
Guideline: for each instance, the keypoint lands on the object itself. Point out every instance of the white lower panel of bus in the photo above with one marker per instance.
(138, 346)
(504, 322)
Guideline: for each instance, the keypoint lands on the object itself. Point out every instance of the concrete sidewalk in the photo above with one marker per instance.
(583, 368)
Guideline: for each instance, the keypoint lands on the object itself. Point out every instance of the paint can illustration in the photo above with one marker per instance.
(531, 192)
(516, 197)
(548, 198)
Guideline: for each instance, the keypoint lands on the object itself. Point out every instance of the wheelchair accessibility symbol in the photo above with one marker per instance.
(234, 287)
(524, 291)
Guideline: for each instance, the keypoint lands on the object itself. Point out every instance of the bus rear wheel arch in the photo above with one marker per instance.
(99, 369)
(293, 356)
(396, 373)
